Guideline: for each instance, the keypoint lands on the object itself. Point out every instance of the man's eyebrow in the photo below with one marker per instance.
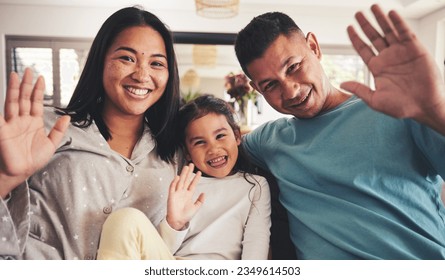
(282, 66)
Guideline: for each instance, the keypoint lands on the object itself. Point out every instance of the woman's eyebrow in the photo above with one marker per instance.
(126, 49)
(135, 52)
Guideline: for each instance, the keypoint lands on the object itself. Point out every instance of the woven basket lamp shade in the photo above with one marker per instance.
(205, 55)
(217, 8)
(190, 80)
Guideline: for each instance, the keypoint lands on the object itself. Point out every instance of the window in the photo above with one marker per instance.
(60, 61)
(343, 64)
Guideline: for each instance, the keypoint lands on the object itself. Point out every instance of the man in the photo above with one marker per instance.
(356, 183)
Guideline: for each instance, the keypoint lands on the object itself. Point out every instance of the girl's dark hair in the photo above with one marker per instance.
(202, 106)
(86, 104)
(253, 40)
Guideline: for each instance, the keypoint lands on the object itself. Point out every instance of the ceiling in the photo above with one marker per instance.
(413, 9)
(311, 9)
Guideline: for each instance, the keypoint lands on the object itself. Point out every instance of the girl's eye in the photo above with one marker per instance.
(199, 142)
(219, 136)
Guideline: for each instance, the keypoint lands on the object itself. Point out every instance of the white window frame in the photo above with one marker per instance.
(346, 50)
(54, 43)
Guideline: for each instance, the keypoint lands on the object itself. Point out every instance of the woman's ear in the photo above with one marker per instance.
(311, 41)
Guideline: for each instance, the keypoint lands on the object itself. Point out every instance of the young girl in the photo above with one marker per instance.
(233, 220)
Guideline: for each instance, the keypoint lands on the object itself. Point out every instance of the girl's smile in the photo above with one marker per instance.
(212, 145)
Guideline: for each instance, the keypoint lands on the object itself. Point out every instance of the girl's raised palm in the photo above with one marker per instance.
(180, 205)
(24, 145)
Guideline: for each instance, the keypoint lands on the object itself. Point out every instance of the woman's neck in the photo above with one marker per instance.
(125, 133)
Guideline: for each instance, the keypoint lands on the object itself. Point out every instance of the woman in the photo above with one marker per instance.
(117, 150)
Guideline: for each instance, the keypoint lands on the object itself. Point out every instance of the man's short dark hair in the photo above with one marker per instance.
(253, 40)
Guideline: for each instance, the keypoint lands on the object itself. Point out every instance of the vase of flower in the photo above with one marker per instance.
(243, 97)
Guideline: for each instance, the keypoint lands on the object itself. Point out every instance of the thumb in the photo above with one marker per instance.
(199, 201)
(57, 132)
(358, 89)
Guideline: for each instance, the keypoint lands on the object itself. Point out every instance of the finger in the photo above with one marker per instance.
(183, 177)
(199, 201)
(37, 97)
(57, 132)
(2, 121)
(373, 35)
(194, 181)
(173, 184)
(363, 50)
(191, 168)
(402, 27)
(12, 96)
(26, 89)
(362, 91)
(385, 24)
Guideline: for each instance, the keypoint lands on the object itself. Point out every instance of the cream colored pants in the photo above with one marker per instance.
(128, 234)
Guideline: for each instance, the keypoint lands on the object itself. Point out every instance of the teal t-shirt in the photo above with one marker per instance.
(357, 184)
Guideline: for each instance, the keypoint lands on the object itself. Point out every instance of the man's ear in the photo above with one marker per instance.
(311, 41)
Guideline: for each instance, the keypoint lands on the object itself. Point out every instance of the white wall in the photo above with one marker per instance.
(85, 22)
(432, 33)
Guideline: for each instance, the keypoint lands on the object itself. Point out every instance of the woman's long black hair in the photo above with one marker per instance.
(86, 104)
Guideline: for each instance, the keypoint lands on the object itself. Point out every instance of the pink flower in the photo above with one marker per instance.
(237, 86)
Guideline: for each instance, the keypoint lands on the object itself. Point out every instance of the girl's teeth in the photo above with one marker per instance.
(216, 161)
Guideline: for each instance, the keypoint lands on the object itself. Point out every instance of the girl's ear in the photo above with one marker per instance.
(187, 156)
(237, 136)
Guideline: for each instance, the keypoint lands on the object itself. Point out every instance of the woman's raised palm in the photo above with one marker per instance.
(24, 145)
